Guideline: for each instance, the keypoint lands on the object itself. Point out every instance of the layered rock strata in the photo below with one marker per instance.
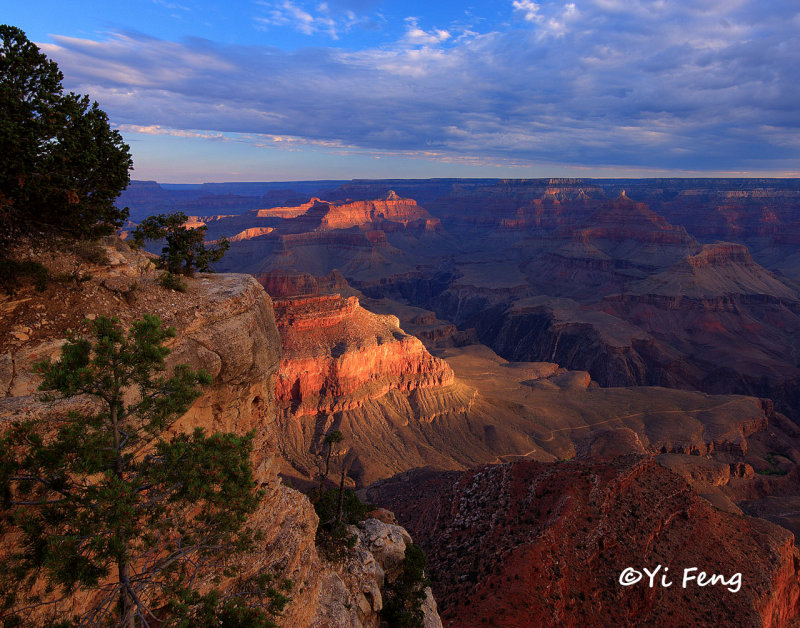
(225, 324)
(533, 544)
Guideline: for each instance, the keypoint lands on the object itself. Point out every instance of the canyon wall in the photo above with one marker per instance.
(533, 544)
(226, 325)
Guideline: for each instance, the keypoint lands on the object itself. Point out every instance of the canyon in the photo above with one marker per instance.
(662, 315)
(226, 325)
(545, 544)
(547, 381)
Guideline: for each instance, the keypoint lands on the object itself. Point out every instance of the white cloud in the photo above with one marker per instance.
(664, 85)
(417, 36)
(530, 10)
(558, 25)
(303, 20)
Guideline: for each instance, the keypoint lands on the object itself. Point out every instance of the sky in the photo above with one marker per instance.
(281, 90)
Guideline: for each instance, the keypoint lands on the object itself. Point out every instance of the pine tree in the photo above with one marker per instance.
(185, 250)
(61, 164)
(102, 503)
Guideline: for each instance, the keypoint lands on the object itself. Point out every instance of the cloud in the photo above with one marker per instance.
(416, 36)
(172, 6)
(331, 18)
(687, 85)
(530, 10)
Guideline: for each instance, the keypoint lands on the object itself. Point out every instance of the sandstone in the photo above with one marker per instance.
(225, 324)
(336, 355)
(381, 514)
(535, 544)
(392, 208)
(17, 374)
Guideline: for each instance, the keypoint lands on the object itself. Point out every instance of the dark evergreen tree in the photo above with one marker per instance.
(185, 250)
(61, 164)
(403, 598)
(101, 503)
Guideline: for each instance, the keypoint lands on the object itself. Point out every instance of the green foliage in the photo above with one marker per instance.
(90, 251)
(403, 598)
(334, 437)
(94, 511)
(189, 609)
(353, 509)
(61, 164)
(12, 270)
(74, 277)
(172, 282)
(185, 250)
(333, 538)
(773, 469)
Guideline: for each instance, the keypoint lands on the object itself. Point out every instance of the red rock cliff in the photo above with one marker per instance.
(357, 213)
(534, 544)
(336, 355)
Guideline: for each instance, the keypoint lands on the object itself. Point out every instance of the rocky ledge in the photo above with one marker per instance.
(225, 324)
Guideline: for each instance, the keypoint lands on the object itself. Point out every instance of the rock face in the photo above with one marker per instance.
(252, 232)
(226, 325)
(535, 544)
(282, 283)
(392, 209)
(336, 355)
(349, 369)
(624, 220)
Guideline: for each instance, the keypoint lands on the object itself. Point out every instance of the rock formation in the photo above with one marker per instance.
(225, 325)
(346, 368)
(534, 544)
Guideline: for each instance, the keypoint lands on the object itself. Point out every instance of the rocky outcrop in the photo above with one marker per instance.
(349, 369)
(626, 220)
(723, 269)
(392, 208)
(535, 544)
(377, 560)
(337, 355)
(249, 234)
(286, 212)
(225, 324)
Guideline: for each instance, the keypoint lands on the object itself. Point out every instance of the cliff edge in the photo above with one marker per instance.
(226, 325)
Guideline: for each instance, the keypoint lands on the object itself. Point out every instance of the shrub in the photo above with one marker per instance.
(11, 271)
(172, 282)
(332, 536)
(90, 251)
(403, 598)
(353, 509)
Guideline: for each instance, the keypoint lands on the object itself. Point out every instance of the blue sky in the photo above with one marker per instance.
(295, 89)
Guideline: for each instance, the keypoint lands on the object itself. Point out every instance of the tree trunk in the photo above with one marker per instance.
(341, 496)
(127, 605)
(324, 475)
(115, 429)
